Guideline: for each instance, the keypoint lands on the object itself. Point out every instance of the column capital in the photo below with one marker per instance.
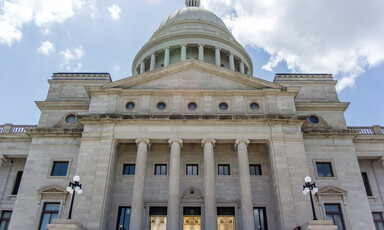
(184, 44)
(230, 53)
(240, 140)
(178, 140)
(201, 44)
(217, 48)
(143, 139)
(154, 53)
(167, 48)
(207, 140)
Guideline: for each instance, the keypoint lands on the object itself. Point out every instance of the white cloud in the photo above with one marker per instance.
(116, 68)
(46, 48)
(115, 12)
(70, 58)
(44, 13)
(343, 37)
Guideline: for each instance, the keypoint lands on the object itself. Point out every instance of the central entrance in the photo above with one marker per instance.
(191, 218)
(226, 218)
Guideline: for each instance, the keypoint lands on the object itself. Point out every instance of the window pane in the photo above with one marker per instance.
(157, 170)
(195, 170)
(320, 170)
(132, 170)
(338, 222)
(327, 170)
(221, 170)
(226, 170)
(366, 184)
(45, 221)
(123, 218)
(16, 186)
(252, 170)
(332, 208)
(3, 225)
(52, 207)
(56, 169)
(163, 170)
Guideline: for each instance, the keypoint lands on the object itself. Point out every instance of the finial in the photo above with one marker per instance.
(192, 3)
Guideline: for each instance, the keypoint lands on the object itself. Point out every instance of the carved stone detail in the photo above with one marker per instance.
(192, 193)
(53, 192)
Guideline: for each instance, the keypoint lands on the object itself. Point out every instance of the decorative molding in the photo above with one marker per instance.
(331, 193)
(241, 139)
(53, 192)
(192, 193)
(178, 140)
(63, 105)
(208, 140)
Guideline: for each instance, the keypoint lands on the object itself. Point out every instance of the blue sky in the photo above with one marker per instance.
(40, 37)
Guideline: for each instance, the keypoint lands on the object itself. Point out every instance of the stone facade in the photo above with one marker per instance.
(192, 113)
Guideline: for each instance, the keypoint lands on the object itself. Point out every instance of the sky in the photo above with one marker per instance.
(41, 37)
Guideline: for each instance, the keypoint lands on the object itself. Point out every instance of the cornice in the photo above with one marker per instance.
(50, 132)
(315, 106)
(62, 105)
(329, 133)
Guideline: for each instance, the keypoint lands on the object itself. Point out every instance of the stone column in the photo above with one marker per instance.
(153, 61)
(142, 67)
(242, 67)
(183, 52)
(209, 185)
(166, 56)
(174, 184)
(201, 52)
(138, 184)
(245, 184)
(231, 62)
(217, 56)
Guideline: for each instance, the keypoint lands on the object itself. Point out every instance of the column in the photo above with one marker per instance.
(174, 184)
(153, 61)
(242, 67)
(201, 52)
(209, 184)
(217, 56)
(231, 62)
(142, 67)
(166, 56)
(138, 184)
(245, 184)
(183, 52)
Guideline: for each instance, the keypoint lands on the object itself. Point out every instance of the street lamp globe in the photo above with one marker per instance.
(76, 178)
(307, 179)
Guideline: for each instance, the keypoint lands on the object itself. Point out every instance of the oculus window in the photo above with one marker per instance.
(192, 106)
(160, 169)
(324, 169)
(60, 168)
(130, 105)
(50, 212)
(161, 106)
(223, 106)
(255, 170)
(223, 169)
(70, 119)
(123, 218)
(254, 106)
(129, 169)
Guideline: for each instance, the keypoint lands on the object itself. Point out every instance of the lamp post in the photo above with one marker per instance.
(310, 188)
(73, 186)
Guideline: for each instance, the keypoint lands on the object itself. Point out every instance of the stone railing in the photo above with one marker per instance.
(371, 130)
(9, 128)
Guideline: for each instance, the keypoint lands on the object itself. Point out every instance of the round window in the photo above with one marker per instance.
(192, 106)
(223, 106)
(161, 105)
(70, 119)
(254, 106)
(314, 119)
(130, 105)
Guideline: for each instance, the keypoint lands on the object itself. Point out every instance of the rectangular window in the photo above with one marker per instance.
(59, 168)
(16, 186)
(160, 169)
(123, 218)
(192, 169)
(129, 169)
(260, 216)
(378, 219)
(333, 212)
(5, 218)
(50, 212)
(255, 170)
(366, 184)
(223, 170)
(324, 169)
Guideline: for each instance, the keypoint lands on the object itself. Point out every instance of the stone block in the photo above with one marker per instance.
(319, 225)
(65, 224)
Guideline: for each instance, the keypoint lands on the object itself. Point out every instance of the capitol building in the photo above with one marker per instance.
(191, 141)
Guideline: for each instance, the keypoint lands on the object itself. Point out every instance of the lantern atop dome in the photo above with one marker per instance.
(192, 3)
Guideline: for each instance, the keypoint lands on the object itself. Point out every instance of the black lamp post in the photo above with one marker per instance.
(72, 188)
(310, 188)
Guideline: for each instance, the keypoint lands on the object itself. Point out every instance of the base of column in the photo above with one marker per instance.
(319, 225)
(65, 224)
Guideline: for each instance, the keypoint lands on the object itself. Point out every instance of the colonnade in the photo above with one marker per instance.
(210, 214)
(183, 57)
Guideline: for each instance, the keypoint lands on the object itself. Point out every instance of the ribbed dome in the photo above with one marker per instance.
(193, 13)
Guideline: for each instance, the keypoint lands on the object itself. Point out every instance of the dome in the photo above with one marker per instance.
(192, 13)
(192, 33)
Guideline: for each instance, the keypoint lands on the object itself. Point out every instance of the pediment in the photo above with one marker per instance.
(193, 74)
(330, 190)
(52, 189)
